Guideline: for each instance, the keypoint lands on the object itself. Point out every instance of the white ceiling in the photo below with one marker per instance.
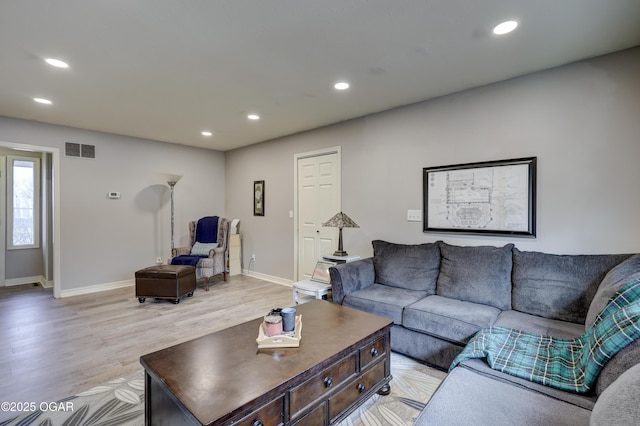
(168, 69)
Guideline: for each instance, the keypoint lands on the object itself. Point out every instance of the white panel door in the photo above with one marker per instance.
(318, 195)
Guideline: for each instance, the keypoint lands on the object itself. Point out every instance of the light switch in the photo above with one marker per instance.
(414, 215)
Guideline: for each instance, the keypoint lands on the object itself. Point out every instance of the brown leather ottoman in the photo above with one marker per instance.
(165, 282)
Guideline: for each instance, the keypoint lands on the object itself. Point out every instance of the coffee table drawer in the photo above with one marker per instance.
(372, 353)
(317, 417)
(330, 378)
(271, 414)
(354, 390)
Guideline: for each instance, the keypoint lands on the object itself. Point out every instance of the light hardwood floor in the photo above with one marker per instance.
(53, 348)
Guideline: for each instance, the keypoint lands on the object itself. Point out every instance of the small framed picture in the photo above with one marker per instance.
(258, 198)
(321, 272)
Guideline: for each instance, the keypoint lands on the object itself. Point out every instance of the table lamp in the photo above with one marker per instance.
(340, 220)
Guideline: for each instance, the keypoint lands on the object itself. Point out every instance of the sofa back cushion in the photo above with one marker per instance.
(476, 274)
(558, 286)
(412, 267)
(616, 278)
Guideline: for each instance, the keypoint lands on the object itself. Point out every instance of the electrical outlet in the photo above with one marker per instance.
(414, 215)
(253, 257)
(158, 261)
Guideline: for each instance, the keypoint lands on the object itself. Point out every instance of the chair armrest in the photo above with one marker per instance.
(216, 251)
(351, 276)
(179, 251)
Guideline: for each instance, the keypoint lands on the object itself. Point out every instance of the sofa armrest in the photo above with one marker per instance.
(351, 276)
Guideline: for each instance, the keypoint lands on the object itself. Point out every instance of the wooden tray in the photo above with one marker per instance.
(288, 340)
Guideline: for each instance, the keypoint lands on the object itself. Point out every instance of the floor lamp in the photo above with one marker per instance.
(171, 181)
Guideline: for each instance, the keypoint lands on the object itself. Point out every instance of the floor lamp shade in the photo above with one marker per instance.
(340, 220)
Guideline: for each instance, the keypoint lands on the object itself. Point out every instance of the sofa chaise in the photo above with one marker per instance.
(440, 295)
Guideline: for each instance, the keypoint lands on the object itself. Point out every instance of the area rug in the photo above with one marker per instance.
(121, 402)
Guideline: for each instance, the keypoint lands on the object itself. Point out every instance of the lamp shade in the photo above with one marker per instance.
(171, 179)
(341, 220)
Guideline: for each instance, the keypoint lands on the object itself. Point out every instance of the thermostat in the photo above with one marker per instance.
(114, 195)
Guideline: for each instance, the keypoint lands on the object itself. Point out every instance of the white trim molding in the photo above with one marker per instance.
(270, 278)
(97, 288)
(36, 279)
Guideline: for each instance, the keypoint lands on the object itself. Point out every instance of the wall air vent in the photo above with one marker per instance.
(88, 151)
(71, 149)
(79, 150)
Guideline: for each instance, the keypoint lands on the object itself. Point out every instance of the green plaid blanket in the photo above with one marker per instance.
(568, 364)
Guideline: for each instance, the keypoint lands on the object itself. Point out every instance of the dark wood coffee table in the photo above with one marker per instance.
(223, 378)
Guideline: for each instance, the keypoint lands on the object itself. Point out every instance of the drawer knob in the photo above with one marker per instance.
(258, 423)
(361, 387)
(328, 381)
(374, 352)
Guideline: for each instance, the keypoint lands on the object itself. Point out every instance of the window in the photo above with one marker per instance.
(24, 202)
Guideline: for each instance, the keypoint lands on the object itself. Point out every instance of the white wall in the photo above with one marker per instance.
(105, 241)
(582, 121)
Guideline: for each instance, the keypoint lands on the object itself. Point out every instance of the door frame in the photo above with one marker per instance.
(3, 218)
(296, 227)
(55, 162)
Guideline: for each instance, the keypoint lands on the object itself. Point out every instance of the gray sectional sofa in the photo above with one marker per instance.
(439, 295)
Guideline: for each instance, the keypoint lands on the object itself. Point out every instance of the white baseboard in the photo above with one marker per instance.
(265, 277)
(37, 279)
(96, 288)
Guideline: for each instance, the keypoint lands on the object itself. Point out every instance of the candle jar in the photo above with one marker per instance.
(273, 325)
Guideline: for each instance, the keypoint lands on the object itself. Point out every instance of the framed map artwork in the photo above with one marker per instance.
(491, 198)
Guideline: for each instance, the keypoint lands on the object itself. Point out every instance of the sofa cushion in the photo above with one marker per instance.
(413, 267)
(468, 398)
(539, 325)
(615, 279)
(558, 286)
(383, 300)
(476, 274)
(449, 319)
(584, 400)
(618, 405)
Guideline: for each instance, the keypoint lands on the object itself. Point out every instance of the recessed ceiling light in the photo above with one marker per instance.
(43, 101)
(505, 27)
(253, 117)
(342, 85)
(206, 133)
(56, 63)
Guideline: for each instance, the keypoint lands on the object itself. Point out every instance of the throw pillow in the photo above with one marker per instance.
(558, 286)
(476, 274)
(412, 267)
(615, 279)
(202, 249)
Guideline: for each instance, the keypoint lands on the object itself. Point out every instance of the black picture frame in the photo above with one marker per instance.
(486, 198)
(258, 198)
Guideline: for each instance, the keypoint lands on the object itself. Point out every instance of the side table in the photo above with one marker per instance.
(312, 288)
(340, 259)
